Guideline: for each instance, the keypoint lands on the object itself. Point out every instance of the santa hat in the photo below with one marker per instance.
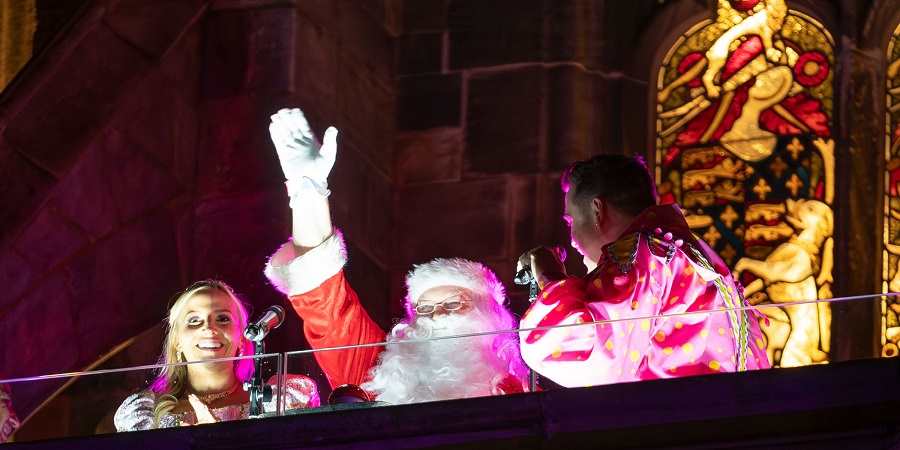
(470, 275)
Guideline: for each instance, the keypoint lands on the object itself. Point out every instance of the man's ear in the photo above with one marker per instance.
(598, 209)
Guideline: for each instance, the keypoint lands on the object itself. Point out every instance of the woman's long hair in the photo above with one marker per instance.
(170, 384)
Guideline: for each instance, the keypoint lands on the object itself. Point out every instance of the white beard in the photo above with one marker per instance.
(440, 369)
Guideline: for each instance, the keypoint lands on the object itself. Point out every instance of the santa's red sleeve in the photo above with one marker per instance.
(330, 309)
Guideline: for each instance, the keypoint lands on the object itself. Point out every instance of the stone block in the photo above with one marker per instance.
(226, 54)
(237, 155)
(571, 106)
(379, 223)
(563, 28)
(575, 31)
(137, 182)
(365, 40)
(272, 49)
(420, 53)
(387, 13)
(16, 274)
(503, 122)
(249, 50)
(612, 30)
(23, 187)
(49, 239)
(633, 120)
(428, 156)
(494, 33)
(523, 212)
(161, 122)
(84, 196)
(74, 102)
(153, 27)
(181, 66)
(322, 13)
(429, 101)
(466, 219)
(424, 15)
(125, 283)
(51, 305)
(234, 235)
(317, 67)
(618, 107)
(366, 108)
(349, 192)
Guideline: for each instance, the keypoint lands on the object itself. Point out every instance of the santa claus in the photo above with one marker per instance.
(424, 359)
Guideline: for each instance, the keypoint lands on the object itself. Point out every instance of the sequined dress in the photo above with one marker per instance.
(136, 412)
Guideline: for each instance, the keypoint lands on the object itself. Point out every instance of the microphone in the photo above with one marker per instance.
(524, 277)
(271, 318)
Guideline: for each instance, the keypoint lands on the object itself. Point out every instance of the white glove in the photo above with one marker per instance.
(305, 163)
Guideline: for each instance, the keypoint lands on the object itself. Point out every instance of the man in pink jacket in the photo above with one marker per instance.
(646, 269)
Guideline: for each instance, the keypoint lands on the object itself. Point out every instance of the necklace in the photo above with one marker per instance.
(209, 398)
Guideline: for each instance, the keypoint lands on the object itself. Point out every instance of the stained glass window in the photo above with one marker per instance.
(743, 123)
(890, 308)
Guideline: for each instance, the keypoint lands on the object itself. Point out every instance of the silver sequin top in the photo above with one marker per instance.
(136, 412)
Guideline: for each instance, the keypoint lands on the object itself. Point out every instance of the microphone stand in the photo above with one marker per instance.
(258, 390)
(522, 278)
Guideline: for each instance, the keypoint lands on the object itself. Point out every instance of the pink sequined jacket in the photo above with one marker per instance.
(653, 273)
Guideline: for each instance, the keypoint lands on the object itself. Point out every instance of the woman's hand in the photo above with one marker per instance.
(201, 411)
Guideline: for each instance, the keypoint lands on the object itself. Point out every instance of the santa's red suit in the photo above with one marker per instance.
(333, 315)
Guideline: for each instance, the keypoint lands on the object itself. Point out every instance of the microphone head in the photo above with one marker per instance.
(278, 310)
(270, 319)
(523, 277)
(252, 332)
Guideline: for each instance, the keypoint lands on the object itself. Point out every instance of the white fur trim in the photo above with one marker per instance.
(295, 275)
(470, 275)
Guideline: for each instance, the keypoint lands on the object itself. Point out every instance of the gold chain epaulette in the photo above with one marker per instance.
(738, 318)
(623, 251)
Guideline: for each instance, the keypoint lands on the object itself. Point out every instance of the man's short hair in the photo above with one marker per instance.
(623, 181)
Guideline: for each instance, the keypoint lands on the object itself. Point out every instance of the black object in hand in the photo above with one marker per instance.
(524, 277)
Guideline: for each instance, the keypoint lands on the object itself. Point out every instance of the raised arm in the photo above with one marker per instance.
(309, 268)
(306, 164)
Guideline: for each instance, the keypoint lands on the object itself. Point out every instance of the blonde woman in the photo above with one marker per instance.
(206, 322)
